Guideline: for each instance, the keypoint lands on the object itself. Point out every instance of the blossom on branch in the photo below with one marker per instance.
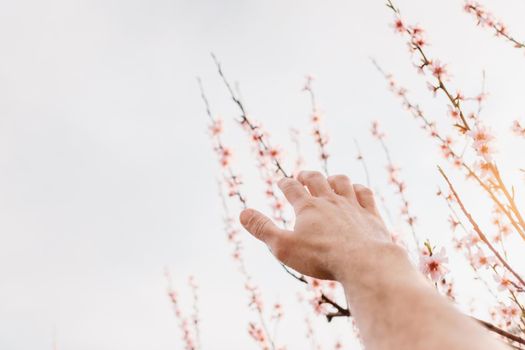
(483, 142)
(486, 19)
(432, 264)
(518, 129)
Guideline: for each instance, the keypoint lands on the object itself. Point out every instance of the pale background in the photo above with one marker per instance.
(106, 173)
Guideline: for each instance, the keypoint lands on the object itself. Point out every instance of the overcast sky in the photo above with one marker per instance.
(106, 172)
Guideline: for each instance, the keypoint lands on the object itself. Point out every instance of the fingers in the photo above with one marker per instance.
(315, 182)
(341, 185)
(293, 190)
(260, 226)
(365, 196)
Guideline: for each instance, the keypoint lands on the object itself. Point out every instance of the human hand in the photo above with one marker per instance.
(338, 227)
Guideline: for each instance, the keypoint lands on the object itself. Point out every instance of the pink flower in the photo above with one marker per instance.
(257, 333)
(517, 129)
(433, 265)
(376, 132)
(483, 169)
(453, 112)
(417, 38)
(399, 26)
(277, 312)
(316, 117)
(504, 283)
(225, 155)
(453, 223)
(482, 138)
(481, 134)
(438, 70)
(481, 260)
(216, 127)
(274, 153)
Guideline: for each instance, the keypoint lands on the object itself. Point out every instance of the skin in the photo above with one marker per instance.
(340, 235)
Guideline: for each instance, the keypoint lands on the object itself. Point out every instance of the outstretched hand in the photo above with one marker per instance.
(336, 230)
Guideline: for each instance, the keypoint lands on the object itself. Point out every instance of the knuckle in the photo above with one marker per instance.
(338, 200)
(307, 204)
(287, 186)
(333, 200)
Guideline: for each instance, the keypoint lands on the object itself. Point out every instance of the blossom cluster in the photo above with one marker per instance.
(486, 19)
(188, 325)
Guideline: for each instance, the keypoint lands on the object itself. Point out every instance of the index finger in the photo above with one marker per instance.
(293, 190)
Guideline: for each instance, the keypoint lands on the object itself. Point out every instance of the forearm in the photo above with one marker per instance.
(339, 235)
(396, 308)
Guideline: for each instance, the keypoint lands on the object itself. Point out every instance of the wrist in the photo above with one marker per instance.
(378, 267)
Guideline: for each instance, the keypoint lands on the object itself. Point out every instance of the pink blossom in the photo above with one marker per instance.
(433, 264)
(376, 132)
(517, 129)
(504, 282)
(216, 127)
(438, 70)
(399, 26)
(482, 138)
(480, 259)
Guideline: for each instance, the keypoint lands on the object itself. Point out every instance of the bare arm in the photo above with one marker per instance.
(340, 235)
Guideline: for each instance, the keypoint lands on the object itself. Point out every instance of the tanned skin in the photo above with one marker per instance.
(339, 235)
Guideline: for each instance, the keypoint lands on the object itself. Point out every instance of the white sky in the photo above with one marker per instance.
(106, 173)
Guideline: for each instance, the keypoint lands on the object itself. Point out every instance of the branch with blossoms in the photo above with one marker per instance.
(396, 182)
(223, 153)
(432, 264)
(504, 281)
(310, 331)
(482, 251)
(188, 325)
(267, 155)
(258, 331)
(311, 334)
(426, 65)
(232, 182)
(450, 154)
(479, 134)
(361, 159)
(480, 233)
(247, 123)
(482, 141)
(467, 243)
(320, 138)
(486, 19)
(429, 66)
(299, 159)
(192, 283)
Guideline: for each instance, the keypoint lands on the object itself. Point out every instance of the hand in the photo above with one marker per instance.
(338, 227)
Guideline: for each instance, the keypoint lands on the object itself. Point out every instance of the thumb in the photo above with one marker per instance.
(259, 225)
